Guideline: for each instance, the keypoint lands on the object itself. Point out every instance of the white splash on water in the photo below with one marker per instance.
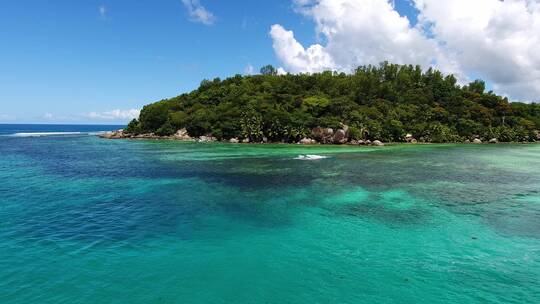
(310, 157)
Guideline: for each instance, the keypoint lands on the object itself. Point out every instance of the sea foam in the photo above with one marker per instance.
(40, 134)
(310, 157)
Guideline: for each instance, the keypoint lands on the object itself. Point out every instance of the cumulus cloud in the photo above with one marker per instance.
(295, 57)
(489, 38)
(497, 40)
(356, 32)
(199, 13)
(115, 115)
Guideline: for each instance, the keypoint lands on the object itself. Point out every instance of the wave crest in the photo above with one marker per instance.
(40, 134)
(310, 157)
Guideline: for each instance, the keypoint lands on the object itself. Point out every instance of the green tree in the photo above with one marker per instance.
(382, 102)
(153, 116)
(268, 70)
(133, 127)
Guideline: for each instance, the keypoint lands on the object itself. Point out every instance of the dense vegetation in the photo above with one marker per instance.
(383, 102)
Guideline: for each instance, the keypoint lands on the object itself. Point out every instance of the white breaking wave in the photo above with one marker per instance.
(40, 134)
(97, 133)
(310, 157)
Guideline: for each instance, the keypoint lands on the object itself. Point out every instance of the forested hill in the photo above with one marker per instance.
(384, 102)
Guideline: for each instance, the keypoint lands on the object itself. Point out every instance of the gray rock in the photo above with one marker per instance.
(108, 135)
(340, 137)
(118, 134)
(207, 138)
(323, 135)
(146, 136)
(493, 141)
(307, 141)
(477, 141)
(377, 143)
(234, 140)
(345, 128)
(410, 139)
(182, 134)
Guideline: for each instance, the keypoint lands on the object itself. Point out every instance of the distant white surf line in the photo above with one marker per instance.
(95, 133)
(310, 157)
(40, 134)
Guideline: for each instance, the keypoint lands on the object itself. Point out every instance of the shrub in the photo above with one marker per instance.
(166, 129)
(133, 127)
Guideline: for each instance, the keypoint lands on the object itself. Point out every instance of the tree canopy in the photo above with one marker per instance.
(384, 102)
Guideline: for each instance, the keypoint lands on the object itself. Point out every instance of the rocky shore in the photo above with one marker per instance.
(179, 135)
(326, 136)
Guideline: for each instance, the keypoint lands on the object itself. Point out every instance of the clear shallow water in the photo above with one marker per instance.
(88, 220)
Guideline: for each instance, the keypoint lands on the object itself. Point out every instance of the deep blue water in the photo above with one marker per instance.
(90, 220)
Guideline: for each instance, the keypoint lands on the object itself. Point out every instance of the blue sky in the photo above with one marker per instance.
(63, 59)
(68, 61)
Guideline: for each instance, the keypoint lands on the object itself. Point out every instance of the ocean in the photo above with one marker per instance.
(90, 220)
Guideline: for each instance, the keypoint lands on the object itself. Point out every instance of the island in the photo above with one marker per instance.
(372, 105)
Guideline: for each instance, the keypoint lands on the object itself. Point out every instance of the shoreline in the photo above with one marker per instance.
(183, 137)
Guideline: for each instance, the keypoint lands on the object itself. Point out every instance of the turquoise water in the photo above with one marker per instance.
(88, 220)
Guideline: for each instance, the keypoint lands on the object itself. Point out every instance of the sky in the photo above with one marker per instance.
(90, 61)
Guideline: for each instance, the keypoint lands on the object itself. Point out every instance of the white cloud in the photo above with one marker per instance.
(295, 57)
(495, 39)
(492, 39)
(103, 11)
(50, 117)
(355, 32)
(6, 117)
(114, 115)
(199, 13)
